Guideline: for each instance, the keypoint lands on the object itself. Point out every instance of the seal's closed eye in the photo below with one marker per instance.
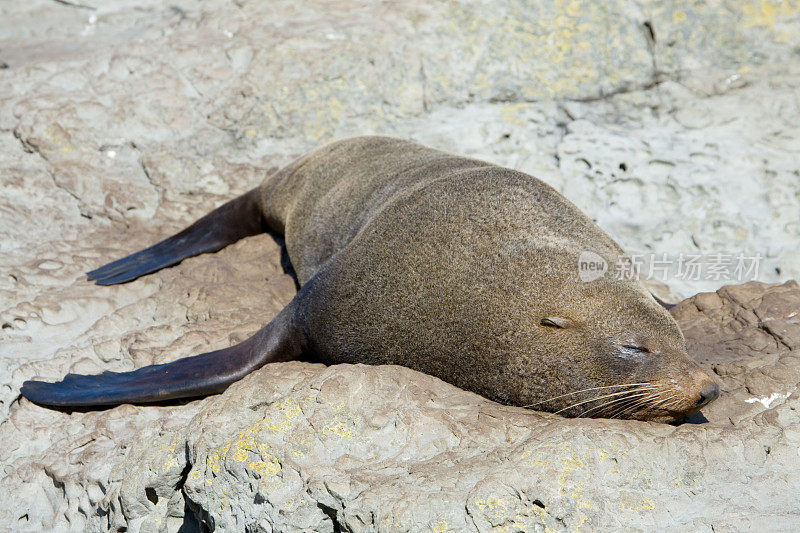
(634, 348)
(557, 322)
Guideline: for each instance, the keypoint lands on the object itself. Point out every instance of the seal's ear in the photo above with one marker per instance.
(557, 321)
(661, 302)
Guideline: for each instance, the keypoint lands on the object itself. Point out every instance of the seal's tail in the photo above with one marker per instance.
(230, 222)
(199, 375)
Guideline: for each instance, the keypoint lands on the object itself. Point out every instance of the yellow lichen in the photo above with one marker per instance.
(266, 468)
(636, 503)
(493, 502)
(767, 13)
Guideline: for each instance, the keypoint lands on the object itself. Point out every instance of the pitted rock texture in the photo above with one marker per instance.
(673, 123)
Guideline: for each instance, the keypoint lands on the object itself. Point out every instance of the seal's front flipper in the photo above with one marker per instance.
(200, 375)
(230, 222)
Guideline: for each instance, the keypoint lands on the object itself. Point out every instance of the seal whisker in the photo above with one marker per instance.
(669, 400)
(637, 405)
(631, 405)
(626, 410)
(585, 390)
(617, 402)
(617, 413)
(599, 398)
(649, 403)
(665, 402)
(675, 400)
(622, 400)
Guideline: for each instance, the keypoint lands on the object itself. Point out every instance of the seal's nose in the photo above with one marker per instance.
(709, 393)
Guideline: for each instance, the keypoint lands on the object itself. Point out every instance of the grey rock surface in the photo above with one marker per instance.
(674, 124)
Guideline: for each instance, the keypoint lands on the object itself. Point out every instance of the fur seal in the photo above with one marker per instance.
(448, 265)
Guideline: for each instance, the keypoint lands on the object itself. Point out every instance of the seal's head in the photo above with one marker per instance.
(622, 356)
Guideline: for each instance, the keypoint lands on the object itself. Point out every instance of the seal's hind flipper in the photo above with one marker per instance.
(199, 375)
(230, 222)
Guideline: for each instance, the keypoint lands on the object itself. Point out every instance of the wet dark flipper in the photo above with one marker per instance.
(230, 222)
(199, 375)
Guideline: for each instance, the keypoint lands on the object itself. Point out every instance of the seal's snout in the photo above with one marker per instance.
(704, 390)
(708, 394)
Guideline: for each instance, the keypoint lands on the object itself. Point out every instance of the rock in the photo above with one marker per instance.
(750, 335)
(120, 123)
